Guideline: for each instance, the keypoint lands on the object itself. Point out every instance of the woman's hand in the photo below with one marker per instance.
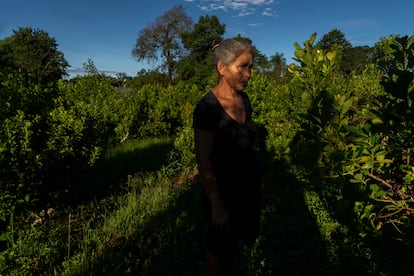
(220, 218)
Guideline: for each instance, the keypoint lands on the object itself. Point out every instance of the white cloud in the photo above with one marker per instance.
(255, 24)
(242, 7)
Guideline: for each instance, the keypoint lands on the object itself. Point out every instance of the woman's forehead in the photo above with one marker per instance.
(245, 56)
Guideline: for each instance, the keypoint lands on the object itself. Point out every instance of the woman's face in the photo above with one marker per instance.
(237, 74)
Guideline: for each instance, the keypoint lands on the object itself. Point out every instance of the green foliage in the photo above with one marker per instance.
(50, 134)
(160, 109)
(48, 240)
(152, 202)
(147, 77)
(90, 68)
(312, 79)
(338, 153)
(35, 249)
(197, 66)
(334, 37)
(34, 53)
(394, 123)
(19, 164)
(278, 65)
(101, 107)
(324, 114)
(356, 59)
(319, 147)
(23, 106)
(356, 137)
(20, 93)
(161, 39)
(350, 59)
(275, 114)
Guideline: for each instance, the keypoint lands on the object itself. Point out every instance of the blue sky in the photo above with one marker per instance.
(106, 30)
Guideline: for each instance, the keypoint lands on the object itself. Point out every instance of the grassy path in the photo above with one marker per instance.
(136, 216)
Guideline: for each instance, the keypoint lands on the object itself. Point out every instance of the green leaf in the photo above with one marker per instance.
(380, 156)
(299, 53)
(331, 55)
(5, 236)
(368, 165)
(377, 121)
(346, 106)
(365, 158)
(307, 100)
(374, 188)
(381, 194)
(391, 207)
(356, 130)
(312, 38)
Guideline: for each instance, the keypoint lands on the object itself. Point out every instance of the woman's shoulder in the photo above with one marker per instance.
(208, 99)
(208, 96)
(205, 113)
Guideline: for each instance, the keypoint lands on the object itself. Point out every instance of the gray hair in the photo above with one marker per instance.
(229, 49)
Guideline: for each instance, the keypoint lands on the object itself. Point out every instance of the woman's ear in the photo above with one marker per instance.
(220, 67)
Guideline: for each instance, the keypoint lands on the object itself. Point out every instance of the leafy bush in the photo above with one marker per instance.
(275, 114)
(51, 134)
(334, 148)
(359, 155)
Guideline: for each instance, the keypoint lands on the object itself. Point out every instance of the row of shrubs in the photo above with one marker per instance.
(321, 123)
(49, 135)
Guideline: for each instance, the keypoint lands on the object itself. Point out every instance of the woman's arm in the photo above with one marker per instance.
(203, 147)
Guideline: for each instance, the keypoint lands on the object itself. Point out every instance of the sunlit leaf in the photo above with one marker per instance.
(368, 165)
(356, 130)
(365, 159)
(346, 106)
(331, 55)
(377, 121)
(299, 53)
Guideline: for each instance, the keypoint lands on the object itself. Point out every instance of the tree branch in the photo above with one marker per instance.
(380, 180)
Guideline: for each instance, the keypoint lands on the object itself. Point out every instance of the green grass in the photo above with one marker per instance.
(152, 226)
(113, 170)
(153, 232)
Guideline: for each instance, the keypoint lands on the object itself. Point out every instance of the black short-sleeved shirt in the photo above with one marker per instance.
(234, 155)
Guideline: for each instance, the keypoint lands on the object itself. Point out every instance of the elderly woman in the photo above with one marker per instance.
(227, 157)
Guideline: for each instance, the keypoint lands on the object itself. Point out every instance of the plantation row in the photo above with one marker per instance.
(49, 135)
(347, 136)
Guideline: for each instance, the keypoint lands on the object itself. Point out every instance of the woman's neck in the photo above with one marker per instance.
(224, 91)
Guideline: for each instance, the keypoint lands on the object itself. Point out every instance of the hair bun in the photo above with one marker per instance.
(215, 43)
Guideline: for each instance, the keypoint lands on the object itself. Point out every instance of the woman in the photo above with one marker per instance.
(227, 156)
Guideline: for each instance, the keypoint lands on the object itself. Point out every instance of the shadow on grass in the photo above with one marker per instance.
(330, 236)
(291, 242)
(170, 243)
(111, 172)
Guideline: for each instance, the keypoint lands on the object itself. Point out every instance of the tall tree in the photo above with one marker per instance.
(196, 66)
(89, 68)
(350, 58)
(278, 65)
(394, 52)
(33, 52)
(356, 58)
(161, 39)
(335, 36)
